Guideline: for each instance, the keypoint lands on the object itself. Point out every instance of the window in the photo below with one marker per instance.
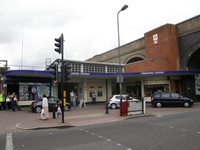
(93, 68)
(33, 91)
(150, 89)
(135, 59)
(175, 95)
(76, 67)
(157, 95)
(117, 97)
(165, 95)
(113, 69)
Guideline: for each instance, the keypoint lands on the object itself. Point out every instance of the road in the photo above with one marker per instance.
(178, 131)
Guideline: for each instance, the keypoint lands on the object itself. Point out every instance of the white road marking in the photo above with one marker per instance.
(108, 140)
(183, 129)
(9, 142)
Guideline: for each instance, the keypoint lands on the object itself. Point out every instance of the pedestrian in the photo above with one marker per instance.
(74, 100)
(93, 98)
(8, 102)
(2, 101)
(45, 108)
(59, 112)
(71, 97)
(82, 103)
(14, 102)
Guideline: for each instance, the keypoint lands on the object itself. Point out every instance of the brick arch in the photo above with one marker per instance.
(191, 58)
(134, 58)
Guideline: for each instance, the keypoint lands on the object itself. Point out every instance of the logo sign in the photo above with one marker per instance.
(155, 39)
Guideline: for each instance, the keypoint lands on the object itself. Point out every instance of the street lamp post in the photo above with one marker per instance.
(120, 79)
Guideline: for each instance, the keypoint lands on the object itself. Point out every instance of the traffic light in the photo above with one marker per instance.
(53, 69)
(67, 71)
(59, 44)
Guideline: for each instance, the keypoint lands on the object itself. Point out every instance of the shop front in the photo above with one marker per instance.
(32, 91)
(31, 85)
(28, 85)
(144, 84)
(151, 86)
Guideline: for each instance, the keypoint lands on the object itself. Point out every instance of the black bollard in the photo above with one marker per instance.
(54, 112)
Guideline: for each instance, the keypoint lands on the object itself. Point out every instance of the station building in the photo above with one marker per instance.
(165, 59)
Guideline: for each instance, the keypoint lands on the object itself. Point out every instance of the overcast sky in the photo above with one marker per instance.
(28, 27)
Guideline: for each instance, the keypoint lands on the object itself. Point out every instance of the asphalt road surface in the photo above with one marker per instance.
(180, 131)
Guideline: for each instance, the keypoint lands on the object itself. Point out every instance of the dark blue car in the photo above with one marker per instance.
(159, 99)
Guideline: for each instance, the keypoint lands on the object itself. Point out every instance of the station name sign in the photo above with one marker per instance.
(151, 73)
(137, 73)
(80, 74)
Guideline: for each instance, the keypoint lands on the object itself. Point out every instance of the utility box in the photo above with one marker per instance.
(124, 108)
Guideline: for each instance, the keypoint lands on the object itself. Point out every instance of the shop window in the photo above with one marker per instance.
(150, 89)
(33, 91)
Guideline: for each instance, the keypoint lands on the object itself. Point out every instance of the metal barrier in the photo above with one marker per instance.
(136, 107)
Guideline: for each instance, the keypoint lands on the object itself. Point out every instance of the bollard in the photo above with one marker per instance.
(54, 112)
(107, 107)
(143, 105)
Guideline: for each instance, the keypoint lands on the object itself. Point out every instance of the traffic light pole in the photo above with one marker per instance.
(62, 79)
(60, 49)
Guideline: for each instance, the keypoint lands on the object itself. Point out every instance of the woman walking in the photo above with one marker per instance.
(45, 108)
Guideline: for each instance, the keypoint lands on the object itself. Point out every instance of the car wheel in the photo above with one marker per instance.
(113, 106)
(38, 109)
(158, 105)
(186, 104)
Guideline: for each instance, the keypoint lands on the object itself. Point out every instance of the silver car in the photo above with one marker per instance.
(114, 101)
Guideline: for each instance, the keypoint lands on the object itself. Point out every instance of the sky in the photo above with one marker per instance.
(28, 27)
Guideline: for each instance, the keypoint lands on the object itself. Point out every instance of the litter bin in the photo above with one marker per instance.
(124, 108)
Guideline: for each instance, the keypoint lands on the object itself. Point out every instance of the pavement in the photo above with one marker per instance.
(93, 114)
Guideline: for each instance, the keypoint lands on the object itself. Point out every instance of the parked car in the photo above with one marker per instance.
(114, 101)
(159, 99)
(36, 106)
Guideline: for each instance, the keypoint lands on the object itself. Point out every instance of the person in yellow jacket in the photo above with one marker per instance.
(2, 101)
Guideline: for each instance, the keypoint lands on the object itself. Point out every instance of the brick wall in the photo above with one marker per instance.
(161, 51)
(147, 65)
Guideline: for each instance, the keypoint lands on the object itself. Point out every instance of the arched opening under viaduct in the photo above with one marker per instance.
(194, 61)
